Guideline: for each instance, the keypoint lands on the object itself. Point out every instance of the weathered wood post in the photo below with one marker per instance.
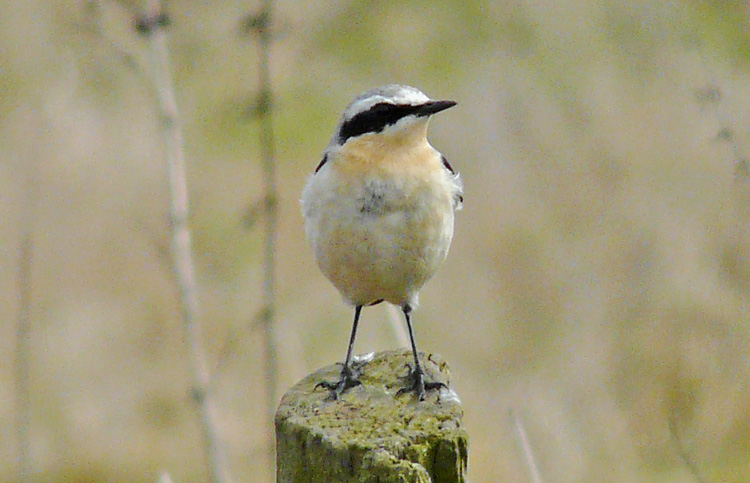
(369, 435)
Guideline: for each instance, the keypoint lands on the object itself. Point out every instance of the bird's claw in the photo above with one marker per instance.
(347, 381)
(417, 384)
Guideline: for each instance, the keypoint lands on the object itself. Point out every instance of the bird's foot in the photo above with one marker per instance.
(416, 384)
(348, 380)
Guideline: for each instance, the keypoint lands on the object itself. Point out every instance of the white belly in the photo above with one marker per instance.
(378, 240)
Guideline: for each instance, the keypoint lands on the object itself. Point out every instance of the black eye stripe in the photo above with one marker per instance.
(375, 119)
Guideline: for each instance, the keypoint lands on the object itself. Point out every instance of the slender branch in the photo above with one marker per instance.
(260, 25)
(526, 446)
(269, 245)
(91, 25)
(152, 25)
(682, 452)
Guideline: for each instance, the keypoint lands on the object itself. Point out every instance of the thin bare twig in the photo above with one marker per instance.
(691, 466)
(268, 147)
(152, 25)
(261, 25)
(92, 25)
(526, 447)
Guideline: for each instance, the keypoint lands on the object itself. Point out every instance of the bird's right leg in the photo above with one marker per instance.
(349, 377)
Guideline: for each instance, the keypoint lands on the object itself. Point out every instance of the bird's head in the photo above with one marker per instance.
(388, 110)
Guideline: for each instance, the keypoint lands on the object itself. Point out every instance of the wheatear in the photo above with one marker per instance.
(379, 210)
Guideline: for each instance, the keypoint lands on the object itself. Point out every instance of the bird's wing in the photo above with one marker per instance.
(458, 195)
(325, 158)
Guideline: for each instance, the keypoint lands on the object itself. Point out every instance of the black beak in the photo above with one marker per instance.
(433, 107)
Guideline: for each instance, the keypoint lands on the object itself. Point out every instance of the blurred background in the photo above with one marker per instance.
(597, 292)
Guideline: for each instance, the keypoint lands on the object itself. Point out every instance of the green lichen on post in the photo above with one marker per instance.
(370, 435)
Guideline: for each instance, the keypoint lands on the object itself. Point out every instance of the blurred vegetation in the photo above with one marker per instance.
(599, 282)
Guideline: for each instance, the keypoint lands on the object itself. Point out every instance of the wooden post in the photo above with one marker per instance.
(369, 435)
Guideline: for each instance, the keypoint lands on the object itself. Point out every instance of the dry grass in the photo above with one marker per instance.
(599, 282)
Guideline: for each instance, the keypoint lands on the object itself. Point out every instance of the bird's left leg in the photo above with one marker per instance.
(417, 383)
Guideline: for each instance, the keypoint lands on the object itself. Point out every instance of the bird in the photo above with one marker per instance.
(379, 212)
